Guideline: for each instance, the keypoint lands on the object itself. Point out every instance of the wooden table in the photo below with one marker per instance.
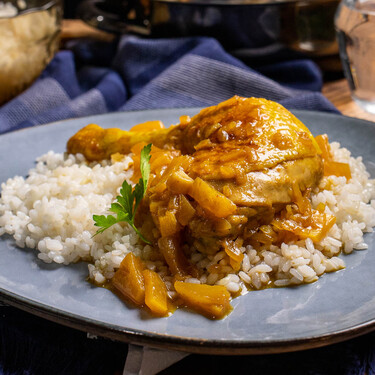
(339, 94)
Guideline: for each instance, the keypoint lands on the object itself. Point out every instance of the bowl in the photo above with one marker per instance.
(29, 38)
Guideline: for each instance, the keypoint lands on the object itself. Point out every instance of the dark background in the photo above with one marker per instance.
(70, 7)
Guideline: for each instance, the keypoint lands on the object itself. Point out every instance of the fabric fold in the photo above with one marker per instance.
(161, 73)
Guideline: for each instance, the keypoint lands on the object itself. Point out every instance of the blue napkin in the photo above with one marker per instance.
(166, 73)
(134, 74)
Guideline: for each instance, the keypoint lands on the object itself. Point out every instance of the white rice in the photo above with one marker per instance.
(51, 210)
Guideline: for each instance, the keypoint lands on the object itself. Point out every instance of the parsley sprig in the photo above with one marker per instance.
(127, 202)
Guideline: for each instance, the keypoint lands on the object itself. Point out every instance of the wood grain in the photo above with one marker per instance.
(74, 29)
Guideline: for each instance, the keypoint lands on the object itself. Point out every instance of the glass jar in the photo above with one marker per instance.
(355, 28)
(29, 38)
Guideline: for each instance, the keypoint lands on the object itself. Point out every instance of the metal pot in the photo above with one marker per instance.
(305, 26)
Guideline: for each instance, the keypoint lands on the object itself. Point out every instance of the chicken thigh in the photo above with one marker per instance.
(217, 177)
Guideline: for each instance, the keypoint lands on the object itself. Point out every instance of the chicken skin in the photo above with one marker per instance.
(217, 177)
(228, 144)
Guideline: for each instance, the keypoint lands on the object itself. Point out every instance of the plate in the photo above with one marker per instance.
(338, 306)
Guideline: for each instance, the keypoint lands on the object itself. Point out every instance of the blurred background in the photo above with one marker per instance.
(256, 31)
(292, 42)
(70, 7)
(77, 58)
(260, 33)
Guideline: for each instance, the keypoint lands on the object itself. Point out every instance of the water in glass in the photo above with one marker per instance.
(355, 27)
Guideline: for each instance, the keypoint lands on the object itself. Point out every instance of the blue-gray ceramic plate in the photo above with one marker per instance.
(338, 306)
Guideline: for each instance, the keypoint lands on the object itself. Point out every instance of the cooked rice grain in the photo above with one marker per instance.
(51, 210)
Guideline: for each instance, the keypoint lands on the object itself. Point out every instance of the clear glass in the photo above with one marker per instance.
(29, 38)
(355, 28)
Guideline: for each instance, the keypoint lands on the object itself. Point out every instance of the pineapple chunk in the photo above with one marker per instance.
(211, 300)
(129, 281)
(211, 199)
(156, 297)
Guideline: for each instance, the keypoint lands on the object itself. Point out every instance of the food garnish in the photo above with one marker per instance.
(236, 176)
(128, 200)
(239, 197)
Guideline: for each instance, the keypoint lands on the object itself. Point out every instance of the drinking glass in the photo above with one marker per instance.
(355, 28)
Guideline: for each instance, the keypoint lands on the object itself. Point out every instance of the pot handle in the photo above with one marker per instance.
(116, 17)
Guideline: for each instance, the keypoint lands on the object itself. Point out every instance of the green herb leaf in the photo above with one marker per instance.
(127, 202)
(145, 165)
(141, 187)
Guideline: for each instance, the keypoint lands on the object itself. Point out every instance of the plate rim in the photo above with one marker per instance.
(295, 111)
(157, 340)
(180, 343)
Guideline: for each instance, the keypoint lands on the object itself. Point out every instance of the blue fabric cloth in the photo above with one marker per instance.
(165, 73)
(135, 74)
